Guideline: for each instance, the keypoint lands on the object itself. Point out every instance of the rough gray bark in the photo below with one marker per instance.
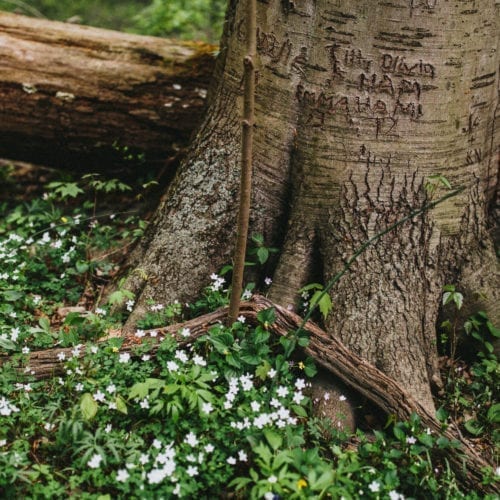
(357, 105)
(73, 97)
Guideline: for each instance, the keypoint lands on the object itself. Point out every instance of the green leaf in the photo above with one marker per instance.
(299, 410)
(139, 390)
(310, 368)
(442, 415)
(267, 316)
(262, 370)
(121, 405)
(116, 298)
(222, 341)
(325, 305)
(171, 388)
(493, 414)
(325, 480)
(66, 189)
(88, 406)
(82, 266)
(258, 239)
(458, 298)
(44, 323)
(262, 255)
(12, 295)
(7, 344)
(273, 438)
(225, 270)
(493, 330)
(399, 433)
(426, 439)
(474, 427)
(311, 286)
(447, 297)
(73, 318)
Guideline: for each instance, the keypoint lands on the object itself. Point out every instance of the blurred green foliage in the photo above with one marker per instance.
(186, 19)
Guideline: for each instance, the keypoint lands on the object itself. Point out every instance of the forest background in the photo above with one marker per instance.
(185, 19)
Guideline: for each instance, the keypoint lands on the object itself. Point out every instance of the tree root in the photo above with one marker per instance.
(329, 353)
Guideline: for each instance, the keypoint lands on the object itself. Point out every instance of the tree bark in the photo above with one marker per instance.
(74, 97)
(329, 353)
(357, 105)
(351, 128)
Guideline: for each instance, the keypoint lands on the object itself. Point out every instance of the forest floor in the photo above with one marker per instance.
(470, 396)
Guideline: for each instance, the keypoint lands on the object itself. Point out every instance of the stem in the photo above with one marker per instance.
(366, 244)
(246, 162)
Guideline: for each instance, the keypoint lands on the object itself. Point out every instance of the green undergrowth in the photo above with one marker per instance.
(191, 20)
(228, 413)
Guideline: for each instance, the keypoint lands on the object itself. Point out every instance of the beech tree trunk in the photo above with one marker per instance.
(357, 105)
(74, 97)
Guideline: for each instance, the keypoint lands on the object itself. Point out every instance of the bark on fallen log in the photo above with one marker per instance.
(72, 96)
(331, 355)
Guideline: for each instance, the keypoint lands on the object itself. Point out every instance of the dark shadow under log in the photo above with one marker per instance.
(73, 97)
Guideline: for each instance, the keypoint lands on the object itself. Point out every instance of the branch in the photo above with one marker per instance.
(246, 163)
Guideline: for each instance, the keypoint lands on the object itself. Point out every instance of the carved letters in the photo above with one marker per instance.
(354, 85)
(398, 65)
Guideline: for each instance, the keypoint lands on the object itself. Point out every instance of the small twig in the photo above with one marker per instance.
(246, 163)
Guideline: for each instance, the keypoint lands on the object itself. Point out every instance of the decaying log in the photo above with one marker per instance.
(74, 96)
(328, 353)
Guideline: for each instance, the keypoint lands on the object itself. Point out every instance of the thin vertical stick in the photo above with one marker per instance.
(246, 161)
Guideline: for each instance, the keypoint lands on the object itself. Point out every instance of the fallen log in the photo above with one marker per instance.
(82, 98)
(329, 353)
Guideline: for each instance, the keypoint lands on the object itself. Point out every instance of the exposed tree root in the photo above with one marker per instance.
(331, 355)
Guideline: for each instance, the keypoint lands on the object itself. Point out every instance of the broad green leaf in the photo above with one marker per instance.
(447, 296)
(7, 344)
(474, 427)
(273, 438)
(74, 318)
(88, 406)
(493, 414)
(299, 410)
(121, 405)
(262, 370)
(442, 415)
(426, 439)
(82, 266)
(325, 480)
(325, 305)
(12, 295)
(267, 316)
(458, 298)
(399, 433)
(262, 255)
(44, 323)
(139, 390)
(171, 388)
